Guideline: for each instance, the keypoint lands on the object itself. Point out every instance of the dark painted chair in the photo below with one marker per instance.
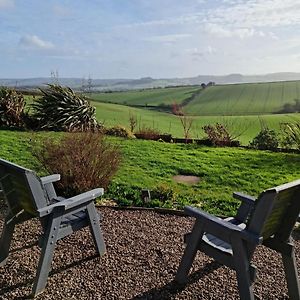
(29, 196)
(269, 220)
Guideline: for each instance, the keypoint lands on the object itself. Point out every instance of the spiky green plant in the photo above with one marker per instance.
(61, 109)
(291, 135)
(12, 106)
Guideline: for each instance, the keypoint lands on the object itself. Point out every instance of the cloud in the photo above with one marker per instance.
(258, 13)
(169, 38)
(7, 3)
(241, 33)
(237, 14)
(196, 52)
(34, 42)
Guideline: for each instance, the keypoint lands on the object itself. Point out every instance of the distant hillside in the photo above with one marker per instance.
(147, 82)
(246, 99)
(229, 99)
(162, 97)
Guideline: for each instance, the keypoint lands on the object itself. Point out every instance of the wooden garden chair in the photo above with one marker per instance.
(29, 196)
(269, 220)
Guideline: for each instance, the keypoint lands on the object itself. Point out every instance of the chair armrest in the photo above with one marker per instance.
(221, 228)
(71, 203)
(244, 198)
(246, 207)
(47, 182)
(50, 178)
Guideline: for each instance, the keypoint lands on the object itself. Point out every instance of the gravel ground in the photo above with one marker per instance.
(143, 253)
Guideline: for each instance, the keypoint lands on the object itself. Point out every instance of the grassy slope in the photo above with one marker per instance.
(234, 99)
(146, 97)
(147, 164)
(244, 99)
(249, 126)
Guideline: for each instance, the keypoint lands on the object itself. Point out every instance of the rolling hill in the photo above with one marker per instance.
(224, 100)
(148, 97)
(243, 127)
(244, 99)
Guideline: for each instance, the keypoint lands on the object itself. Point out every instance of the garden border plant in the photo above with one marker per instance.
(61, 109)
(12, 109)
(84, 160)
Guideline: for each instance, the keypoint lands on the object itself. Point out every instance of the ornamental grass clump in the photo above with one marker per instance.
(12, 106)
(291, 135)
(61, 109)
(84, 160)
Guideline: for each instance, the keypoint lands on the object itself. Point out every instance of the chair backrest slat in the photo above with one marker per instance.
(22, 189)
(276, 211)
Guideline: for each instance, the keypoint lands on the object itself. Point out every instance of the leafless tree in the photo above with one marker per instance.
(132, 121)
(185, 120)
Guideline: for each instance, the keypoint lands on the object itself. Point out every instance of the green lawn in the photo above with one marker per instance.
(245, 126)
(152, 165)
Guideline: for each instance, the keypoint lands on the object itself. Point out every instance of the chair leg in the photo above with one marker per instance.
(291, 275)
(5, 241)
(95, 229)
(50, 238)
(243, 270)
(189, 252)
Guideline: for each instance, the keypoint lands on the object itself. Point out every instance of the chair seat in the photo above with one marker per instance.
(80, 216)
(218, 243)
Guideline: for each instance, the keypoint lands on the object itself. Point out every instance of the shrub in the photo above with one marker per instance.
(163, 192)
(219, 135)
(148, 133)
(124, 194)
(12, 106)
(61, 109)
(266, 139)
(119, 131)
(84, 160)
(291, 135)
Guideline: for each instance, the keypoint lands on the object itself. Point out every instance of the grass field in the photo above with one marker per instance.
(147, 97)
(247, 126)
(242, 107)
(244, 99)
(230, 99)
(152, 165)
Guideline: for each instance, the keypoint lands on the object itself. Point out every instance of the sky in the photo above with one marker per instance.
(140, 38)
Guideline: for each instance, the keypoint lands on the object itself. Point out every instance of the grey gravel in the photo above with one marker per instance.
(143, 252)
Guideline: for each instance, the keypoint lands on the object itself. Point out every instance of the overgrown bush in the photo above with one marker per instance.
(61, 109)
(119, 131)
(267, 139)
(84, 160)
(148, 133)
(219, 135)
(291, 135)
(12, 106)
